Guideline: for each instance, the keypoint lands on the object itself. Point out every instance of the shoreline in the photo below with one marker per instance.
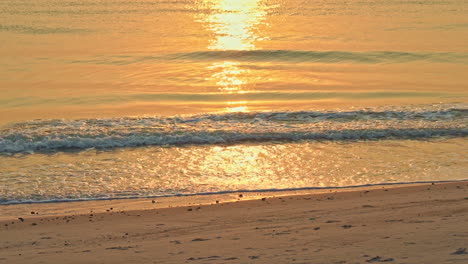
(418, 223)
(64, 207)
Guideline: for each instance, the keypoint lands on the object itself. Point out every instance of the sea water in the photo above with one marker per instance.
(123, 99)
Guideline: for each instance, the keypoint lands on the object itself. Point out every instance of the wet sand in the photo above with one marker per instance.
(425, 223)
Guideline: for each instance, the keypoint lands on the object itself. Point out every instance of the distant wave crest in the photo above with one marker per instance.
(324, 56)
(290, 56)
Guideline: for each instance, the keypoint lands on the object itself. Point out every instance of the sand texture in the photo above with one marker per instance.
(411, 224)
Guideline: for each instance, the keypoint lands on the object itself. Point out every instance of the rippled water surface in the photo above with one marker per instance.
(111, 98)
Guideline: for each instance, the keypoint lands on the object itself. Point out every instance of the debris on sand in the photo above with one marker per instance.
(460, 251)
(379, 259)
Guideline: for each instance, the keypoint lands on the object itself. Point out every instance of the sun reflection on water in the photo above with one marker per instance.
(239, 106)
(228, 76)
(240, 166)
(233, 24)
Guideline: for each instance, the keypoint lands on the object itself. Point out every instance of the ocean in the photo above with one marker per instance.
(115, 99)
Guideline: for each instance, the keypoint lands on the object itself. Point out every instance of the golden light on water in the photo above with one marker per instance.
(233, 163)
(228, 76)
(233, 24)
(240, 106)
(233, 27)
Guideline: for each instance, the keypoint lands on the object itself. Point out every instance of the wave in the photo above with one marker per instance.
(291, 56)
(75, 142)
(41, 30)
(231, 128)
(324, 56)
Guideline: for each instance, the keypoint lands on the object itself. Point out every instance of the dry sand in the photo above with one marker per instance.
(406, 224)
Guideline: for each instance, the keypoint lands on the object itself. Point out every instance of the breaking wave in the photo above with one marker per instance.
(231, 128)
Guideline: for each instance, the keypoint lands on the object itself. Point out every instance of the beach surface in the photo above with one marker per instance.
(423, 223)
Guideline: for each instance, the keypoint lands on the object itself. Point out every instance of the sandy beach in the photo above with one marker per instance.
(233, 131)
(425, 223)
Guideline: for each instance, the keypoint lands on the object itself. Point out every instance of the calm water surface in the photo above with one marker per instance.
(112, 99)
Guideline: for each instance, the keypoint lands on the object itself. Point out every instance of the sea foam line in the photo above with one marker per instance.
(226, 192)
